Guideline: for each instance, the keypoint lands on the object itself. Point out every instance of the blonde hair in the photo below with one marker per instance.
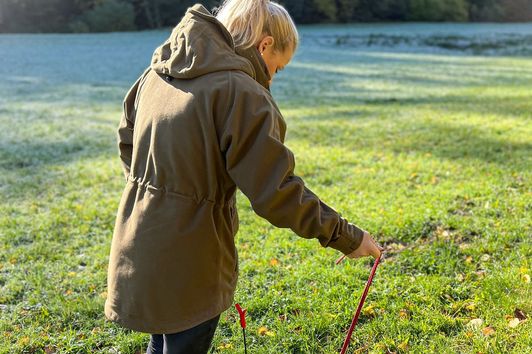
(249, 20)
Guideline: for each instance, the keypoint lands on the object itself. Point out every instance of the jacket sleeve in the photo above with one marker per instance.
(263, 168)
(127, 122)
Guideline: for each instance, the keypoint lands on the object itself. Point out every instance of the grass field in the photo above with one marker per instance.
(427, 147)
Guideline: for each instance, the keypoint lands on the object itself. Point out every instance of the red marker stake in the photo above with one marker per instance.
(242, 314)
(360, 304)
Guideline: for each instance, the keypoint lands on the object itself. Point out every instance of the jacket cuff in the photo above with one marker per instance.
(349, 237)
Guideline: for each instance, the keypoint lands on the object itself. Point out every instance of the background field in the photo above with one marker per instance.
(420, 134)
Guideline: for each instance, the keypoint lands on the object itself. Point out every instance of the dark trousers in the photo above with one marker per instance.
(196, 340)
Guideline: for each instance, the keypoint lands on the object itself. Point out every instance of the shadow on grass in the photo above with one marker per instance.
(31, 168)
(36, 155)
(425, 64)
(464, 143)
(508, 107)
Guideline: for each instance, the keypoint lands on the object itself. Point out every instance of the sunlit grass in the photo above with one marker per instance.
(431, 152)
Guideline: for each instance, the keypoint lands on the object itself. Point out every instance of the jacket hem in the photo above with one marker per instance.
(136, 324)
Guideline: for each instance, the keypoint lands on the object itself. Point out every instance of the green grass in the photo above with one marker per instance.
(430, 152)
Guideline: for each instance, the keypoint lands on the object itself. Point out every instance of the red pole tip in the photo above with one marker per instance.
(242, 314)
(340, 259)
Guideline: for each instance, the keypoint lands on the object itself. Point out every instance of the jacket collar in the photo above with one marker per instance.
(261, 69)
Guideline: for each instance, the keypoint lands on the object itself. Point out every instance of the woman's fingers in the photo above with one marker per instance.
(368, 247)
(376, 250)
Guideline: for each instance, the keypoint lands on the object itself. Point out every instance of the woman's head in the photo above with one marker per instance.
(264, 24)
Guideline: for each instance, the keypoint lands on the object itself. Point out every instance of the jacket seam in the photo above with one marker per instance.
(229, 102)
(151, 188)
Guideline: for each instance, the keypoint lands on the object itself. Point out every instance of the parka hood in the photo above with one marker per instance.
(200, 44)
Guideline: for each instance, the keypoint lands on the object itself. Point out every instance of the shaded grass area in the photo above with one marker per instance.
(431, 153)
(509, 44)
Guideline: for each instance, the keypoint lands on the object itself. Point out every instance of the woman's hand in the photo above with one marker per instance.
(368, 247)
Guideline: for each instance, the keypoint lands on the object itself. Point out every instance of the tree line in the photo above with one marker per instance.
(128, 15)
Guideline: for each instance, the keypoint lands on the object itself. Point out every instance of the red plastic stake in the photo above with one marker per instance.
(242, 314)
(340, 259)
(360, 304)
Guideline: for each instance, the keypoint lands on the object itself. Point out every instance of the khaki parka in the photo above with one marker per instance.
(197, 124)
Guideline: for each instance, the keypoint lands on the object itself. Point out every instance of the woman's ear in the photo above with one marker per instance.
(265, 43)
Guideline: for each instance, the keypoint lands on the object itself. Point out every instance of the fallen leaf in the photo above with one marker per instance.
(485, 257)
(526, 278)
(369, 310)
(264, 331)
(469, 334)
(295, 312)
(480, 273)
(68, 292)
(520, 314)
(475, 323)
(403, 345)
(464, 246)
(274, 262)
(403, 314)
(440, 231)
(225, 346)
(394, 247)
(513, 323)
(488, 331)
(469, 259)
(361, 349)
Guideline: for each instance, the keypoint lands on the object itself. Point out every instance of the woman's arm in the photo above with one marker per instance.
(127, 122)
(263, 168)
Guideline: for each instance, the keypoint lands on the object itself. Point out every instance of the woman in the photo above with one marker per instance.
(197, 124)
